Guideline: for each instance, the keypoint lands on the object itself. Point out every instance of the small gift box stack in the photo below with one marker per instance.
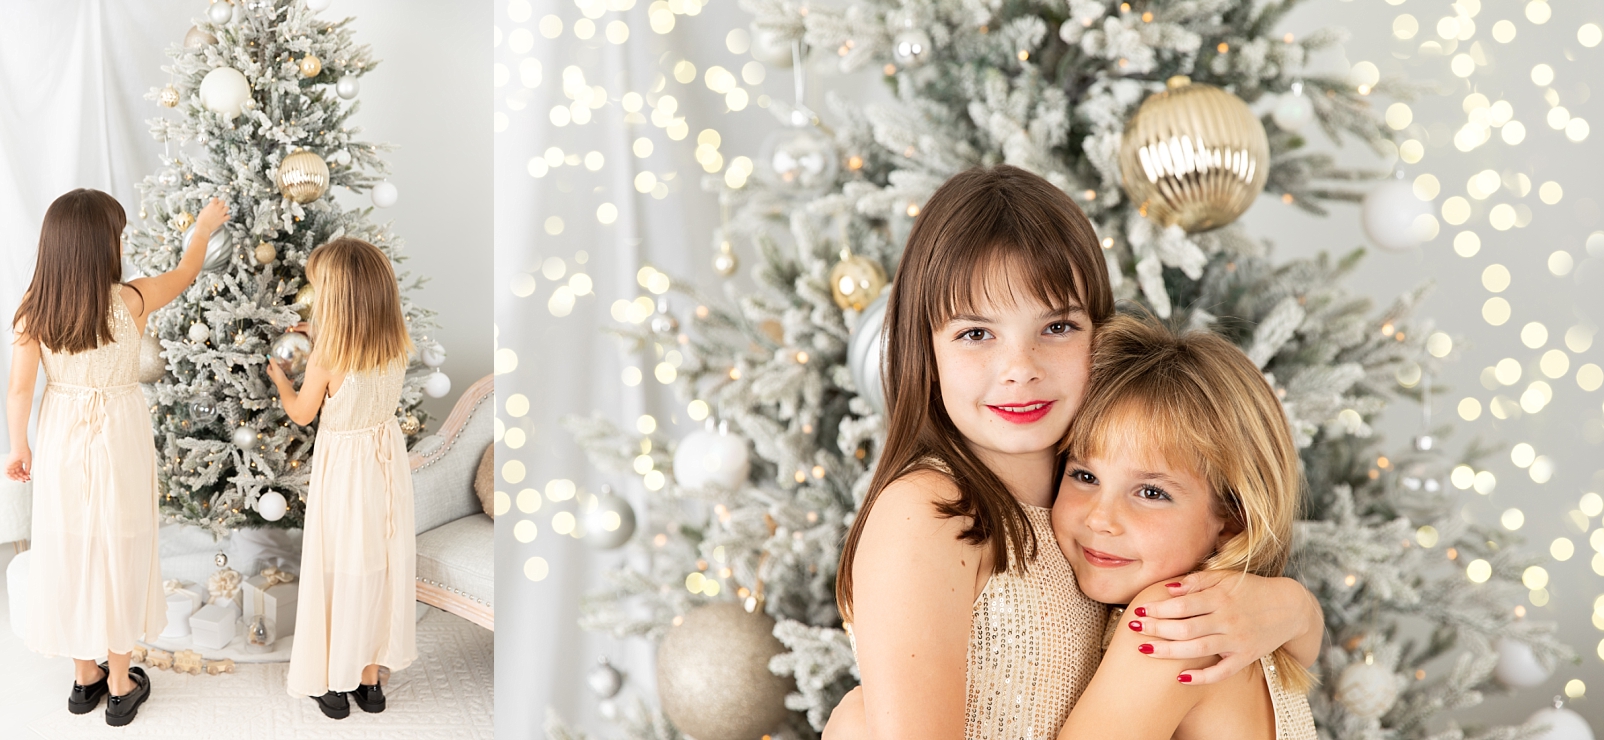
(215, 625)
(183, 600)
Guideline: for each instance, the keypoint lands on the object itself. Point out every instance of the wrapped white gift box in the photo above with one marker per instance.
(276, 601)
(215, 625)
(182, 603)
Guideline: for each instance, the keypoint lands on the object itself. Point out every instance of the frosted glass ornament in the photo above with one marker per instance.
(438, 384)
(1518, 667)
(910, 47)
(223, 91)
(1293, 110)
(705, 458)
(272, 506)
(347, 88)
(801, 160)
(1393, 217)
(385, 194)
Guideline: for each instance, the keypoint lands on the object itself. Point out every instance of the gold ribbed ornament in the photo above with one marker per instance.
(303, 177)
(304, 297)
(1193, 156)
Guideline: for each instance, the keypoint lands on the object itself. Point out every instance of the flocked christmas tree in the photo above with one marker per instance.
(1414, 597)
(262, 88)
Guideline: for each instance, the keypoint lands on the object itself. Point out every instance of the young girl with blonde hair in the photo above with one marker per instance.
(95, 581)
(1179, 460)
(967, 621)
(355, 612)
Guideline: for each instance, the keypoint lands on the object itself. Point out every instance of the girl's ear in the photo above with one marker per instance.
(1230, 519)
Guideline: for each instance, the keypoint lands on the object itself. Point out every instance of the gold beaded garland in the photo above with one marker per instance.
(1193, 156)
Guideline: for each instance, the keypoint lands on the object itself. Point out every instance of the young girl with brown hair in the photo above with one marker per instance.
(1179, 460)
(95, 581)
(355, 612)
(967, 622)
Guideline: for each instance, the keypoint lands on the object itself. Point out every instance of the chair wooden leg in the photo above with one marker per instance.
(20, 546)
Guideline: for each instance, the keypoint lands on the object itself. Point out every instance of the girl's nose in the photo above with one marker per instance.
(1101, 516)
(1020, 364)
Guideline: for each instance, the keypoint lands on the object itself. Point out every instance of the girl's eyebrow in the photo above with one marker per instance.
(968, 318)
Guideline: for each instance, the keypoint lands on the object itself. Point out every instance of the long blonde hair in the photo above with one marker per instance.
(1201, 402)
(356, 307)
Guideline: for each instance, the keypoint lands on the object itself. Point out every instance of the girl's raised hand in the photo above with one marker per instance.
(1236, 616)
(211, 217)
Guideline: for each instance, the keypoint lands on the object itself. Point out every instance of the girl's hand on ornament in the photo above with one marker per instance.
(275, 371)
(301, 327)
(1239, 617)
(19, 465)
(211, 217)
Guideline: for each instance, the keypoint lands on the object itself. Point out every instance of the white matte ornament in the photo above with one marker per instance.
(1563, 724)
(801, 160)
(1367, 690)
(769, 48)
(199, 332)
(865, 358)
(272, 506)
(348, 87)
(706, 458)
(220, 12)
(1293, 110)
(910, 47)
(317, 6)
(433, 355)
(224, 90)
(605, 680)
(438, 384)
(385, 194)
(244, 438)
(217, 251)
(610, 524)
(1518, 667)
(1393, 217)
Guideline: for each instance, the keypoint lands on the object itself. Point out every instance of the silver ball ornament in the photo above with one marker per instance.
(713, 675)
(217, 251)
(199, 332)
(664, 322)
(244, 438)
(725, 263)
(605, 680)
(1367, 690)
(348, 87)
(865, 359)
(801, 160)
(910, 47)
(611, 523)
(293, 349)
(220, 12)
(152, 365)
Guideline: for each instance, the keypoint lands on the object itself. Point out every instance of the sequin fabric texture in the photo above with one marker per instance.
(1033, 645)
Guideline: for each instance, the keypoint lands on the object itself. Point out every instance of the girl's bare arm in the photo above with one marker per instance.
(160, 290)
(301, 406)
(19, 404)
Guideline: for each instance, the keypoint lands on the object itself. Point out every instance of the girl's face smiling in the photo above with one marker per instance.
(1127, 521)
(1012, 371)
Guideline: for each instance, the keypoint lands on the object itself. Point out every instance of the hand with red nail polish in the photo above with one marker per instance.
(1141, 611)
(1146, 648)
(1136, 626)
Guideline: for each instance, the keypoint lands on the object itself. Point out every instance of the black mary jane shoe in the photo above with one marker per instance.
(120, 710)
(84, 699)
(334, 705)
(369, 698)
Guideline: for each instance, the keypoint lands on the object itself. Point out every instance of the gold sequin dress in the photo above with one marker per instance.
(1293, 720)
(94, 579)
(1034, 643)
(358, 556)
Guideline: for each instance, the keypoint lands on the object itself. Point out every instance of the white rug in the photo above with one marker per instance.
(445, 694)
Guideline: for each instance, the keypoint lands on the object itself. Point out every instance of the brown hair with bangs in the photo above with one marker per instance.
(978, 223)
(67, 307)
(1195, 399)
(356, 307)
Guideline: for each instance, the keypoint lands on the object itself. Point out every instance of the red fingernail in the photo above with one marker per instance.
(1184, 678)
(1141, 611)
(1176, 584)
(1145, 648)
(1136, 625)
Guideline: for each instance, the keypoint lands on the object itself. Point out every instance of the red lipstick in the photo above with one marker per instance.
(1023, 413)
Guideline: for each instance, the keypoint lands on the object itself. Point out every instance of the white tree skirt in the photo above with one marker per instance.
(447, 693)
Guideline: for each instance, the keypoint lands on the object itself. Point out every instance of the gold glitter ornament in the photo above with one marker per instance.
(304, 297)
(856, 281)
(1193, 156)
(713, 678)
(152, 365)
(311, 65)
(168, 98)
(181, 221)
(410, 425)
(265, 253)
(303, 177)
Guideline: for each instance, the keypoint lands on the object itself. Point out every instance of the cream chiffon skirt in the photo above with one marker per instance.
(357, 563)
(95, 579)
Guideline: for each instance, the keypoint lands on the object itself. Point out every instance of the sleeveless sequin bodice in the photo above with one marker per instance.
(1034, 643)
(366, 399)
(111, 365)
